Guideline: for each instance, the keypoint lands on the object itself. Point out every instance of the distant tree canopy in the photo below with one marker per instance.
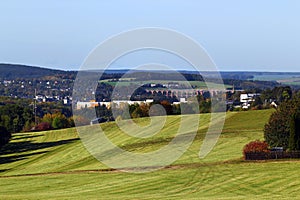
(283, 128)
(14, 117)
(279, 94)
(56, 121)
(17, 115)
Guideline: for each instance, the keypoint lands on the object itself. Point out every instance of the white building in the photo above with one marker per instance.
(117, 103)
(247, 99)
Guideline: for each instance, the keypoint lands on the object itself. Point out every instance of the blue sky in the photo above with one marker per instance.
(238, 35)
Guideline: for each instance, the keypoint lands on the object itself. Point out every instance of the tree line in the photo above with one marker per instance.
(283, 128)
(19, 115)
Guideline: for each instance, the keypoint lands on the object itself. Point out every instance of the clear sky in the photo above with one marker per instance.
(238, 35)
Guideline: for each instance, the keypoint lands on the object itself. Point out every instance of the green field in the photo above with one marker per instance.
(187, 84)
(285, 79)
(55, 165)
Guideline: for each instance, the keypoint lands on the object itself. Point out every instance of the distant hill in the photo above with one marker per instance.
(13, 71)
(242, 79)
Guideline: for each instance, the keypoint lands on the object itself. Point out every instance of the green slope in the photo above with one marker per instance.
(55, 165)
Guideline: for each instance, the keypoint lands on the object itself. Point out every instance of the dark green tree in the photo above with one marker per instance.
(4, 136)
(294, 140)
(59, 121)
(277, 130)
(257, 102)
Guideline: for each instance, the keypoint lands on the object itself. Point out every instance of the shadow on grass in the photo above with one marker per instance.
(20, 147)
(22, 150)
(26, 137)
(10, 159)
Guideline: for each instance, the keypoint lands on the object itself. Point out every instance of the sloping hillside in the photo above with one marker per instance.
(55, 165)
(13, 71)
(61, 150)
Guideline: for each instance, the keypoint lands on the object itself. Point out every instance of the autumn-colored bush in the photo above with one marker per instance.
(256, 147)
(80, 120)
(43, 126)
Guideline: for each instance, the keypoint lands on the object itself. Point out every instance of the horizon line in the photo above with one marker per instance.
(120, 69)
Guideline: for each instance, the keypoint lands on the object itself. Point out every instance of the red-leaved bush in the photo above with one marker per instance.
(43, 126)
(256, 147)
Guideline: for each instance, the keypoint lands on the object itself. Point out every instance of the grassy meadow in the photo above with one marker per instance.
(55, 165)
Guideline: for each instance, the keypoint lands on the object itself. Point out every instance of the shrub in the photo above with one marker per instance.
(80, 120)
(43, 126)
(256, 147)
